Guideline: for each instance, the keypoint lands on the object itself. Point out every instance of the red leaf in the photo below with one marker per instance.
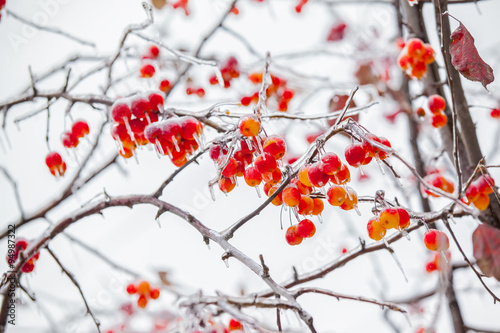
(466, 59)
(486, 244)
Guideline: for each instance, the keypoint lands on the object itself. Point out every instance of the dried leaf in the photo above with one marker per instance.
(486, 244)
(159, 4)
(337, 103)
(466, 59)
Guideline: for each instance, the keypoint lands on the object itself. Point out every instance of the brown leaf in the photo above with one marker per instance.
(159, 4)
(466, 59)
(486, 244)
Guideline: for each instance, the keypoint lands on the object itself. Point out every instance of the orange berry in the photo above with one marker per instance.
(439, 120)
(142, 301)
(249, 125)
(306, 205)
(291, 196)
(143, 288)
(278, 200)
(336, 195)
(389, 218)
(318, 206)
(482, 201)
(436, 240)
(303, 177)
(375, 230)
(292, 237)
(226, 185)
(351, 199)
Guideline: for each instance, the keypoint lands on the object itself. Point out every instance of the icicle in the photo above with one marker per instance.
(249, 143)
(218, 73)
(285, 207)
(320, 218)
(347, 192)
(443, 254)
(361, 171)
(235, 180)
(158, 221)
(357, 210)
(197, 140)
(129, 130)
(379, 162)
(208, 246)
(212, 194)
(148, 119)
(406, 234)
(398, 263)
(159, 148)
(257, 189)
(232, 180)
(169, 153)
(226, 262)
(174, 140)
(135, 157)
(261, 150)
(296, 214)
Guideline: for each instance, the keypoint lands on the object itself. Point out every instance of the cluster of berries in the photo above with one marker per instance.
(55, 163)
(178, 138)
(14, 253)
(362, 153)
(234, 326)
(389, 218)
(414, 58)
(130, 118)
(192, 90)
(436, 240)
(437, 105)
(144, 291)
(71, 139)
(277, 88)
(296, 233)
(437, 263)
(229, 70)
(147, 69)
(479, 190)
(436, 179)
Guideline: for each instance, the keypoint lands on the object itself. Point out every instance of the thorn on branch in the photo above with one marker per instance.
(265, 269)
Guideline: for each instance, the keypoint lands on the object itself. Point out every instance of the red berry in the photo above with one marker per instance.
(436, 240)
(120, 111)
(226, 185)
(341, 177)
(140, 107)
(355, 155)
(404, 218)
(317, 177)
(495, 113)
(53, 159)
(330, 164)
(252, 176)
(155, 101)
(246, 100)
(147, 71)
(200, 92)
(230, 169)
(69, 140)
(485, 184)
(28, 267)
(306, 228)
(235, 325)
(275, 145)
(436, 103)
(80, 128)
(142, 301)
(131, 289)
(292, 237)
(190, 127)
(154, 51)
(430, 267)
(164, 85)
(306, 205)
(265, 163)
(154, 293)
(439, 120)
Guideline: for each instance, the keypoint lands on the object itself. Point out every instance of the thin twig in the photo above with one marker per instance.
(77, 285)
